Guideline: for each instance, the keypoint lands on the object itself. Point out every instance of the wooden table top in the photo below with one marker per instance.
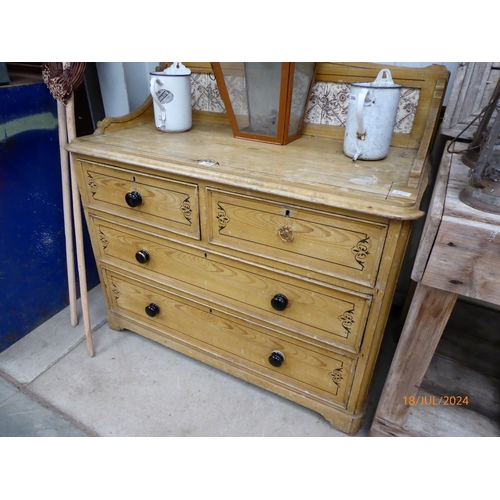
(460, 246)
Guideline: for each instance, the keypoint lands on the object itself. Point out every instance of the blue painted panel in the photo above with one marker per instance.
(33, 276)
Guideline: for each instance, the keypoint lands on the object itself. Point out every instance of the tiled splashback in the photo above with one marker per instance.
(327, 106)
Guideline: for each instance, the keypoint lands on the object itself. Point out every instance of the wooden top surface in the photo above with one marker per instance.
(464, 255)
(311, 169)
(446, 206)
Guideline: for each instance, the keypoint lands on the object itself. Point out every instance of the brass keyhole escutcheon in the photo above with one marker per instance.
(286, 233)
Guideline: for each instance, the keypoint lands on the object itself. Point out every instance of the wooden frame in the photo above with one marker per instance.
(472, 89)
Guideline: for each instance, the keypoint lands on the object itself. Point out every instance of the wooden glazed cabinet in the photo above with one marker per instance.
(276, 264)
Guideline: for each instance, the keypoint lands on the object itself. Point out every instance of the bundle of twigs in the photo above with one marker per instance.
(62, 79)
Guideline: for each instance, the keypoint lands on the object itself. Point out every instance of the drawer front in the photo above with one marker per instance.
(328, 375)
(163, 203)
(330, 244)
(327, 314)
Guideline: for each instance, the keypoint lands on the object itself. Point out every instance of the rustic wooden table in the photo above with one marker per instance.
(459, 255)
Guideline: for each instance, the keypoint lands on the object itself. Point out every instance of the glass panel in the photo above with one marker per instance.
(263, 89)
(302, 77)
(234, 77)
(254, 92)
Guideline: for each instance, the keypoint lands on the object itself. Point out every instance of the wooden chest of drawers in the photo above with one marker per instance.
(276, 264)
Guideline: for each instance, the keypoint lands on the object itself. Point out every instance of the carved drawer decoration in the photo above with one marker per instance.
(321, 372)
(331, 244)
(163, 203)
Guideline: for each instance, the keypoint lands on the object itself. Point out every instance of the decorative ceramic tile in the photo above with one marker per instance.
(205, 93)
(328, 104)
(406, 110)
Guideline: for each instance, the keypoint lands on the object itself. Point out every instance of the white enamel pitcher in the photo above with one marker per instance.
(371, 118)
(171, 92)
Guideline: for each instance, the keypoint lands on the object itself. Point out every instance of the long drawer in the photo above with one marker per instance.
(265, 352)
(327, 314)
(331, 244)
(165, 203)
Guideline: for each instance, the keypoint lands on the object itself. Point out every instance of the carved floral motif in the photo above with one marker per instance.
(186, 209)
(115, 290)
(103, 239)
(92, 184)
(360, 251)
(222, 217)
(337, 376)
(347, 320)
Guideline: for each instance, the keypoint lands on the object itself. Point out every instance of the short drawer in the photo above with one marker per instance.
(165, 203)
(327, 314)
(315, 370)
(331, 244)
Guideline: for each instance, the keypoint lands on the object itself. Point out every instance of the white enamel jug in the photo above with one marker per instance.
(371, 117)
(171, 92)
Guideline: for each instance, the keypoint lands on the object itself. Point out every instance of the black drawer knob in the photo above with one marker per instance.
(276, 358)
(152, 310)
(133, 199)
(142, 256)
(279, 302)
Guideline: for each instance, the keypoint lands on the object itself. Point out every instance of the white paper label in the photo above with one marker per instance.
(400, 193)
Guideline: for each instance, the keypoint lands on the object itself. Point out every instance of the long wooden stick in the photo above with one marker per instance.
(68, 226)
(77, 219)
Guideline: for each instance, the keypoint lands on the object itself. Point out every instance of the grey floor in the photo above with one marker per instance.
(50, 386)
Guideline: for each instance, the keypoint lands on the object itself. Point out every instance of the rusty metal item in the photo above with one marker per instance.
(483, 157)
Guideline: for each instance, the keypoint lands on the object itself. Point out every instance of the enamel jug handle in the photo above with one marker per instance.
(360, 103)
(384, 78)
(153, 88)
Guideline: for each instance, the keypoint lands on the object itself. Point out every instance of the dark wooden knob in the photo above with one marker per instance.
(142, 256)
(152, 310)
(133, 199)
(276, 358)
(279, 302)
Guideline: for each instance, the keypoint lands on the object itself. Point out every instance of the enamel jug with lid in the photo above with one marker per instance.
(371, 117)
(171, 93)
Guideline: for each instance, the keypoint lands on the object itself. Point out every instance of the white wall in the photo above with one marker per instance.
(125, 85)
(451, 66)
(137, 77)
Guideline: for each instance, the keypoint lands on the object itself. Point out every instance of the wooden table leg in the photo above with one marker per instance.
(427, 318)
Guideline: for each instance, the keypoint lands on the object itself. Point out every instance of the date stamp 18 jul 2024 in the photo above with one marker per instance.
(436, 400)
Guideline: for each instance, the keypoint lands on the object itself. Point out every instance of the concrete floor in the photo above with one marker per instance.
(50, 386)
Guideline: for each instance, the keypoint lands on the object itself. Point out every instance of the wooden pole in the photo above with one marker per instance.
(77, 219)
(68, 226)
